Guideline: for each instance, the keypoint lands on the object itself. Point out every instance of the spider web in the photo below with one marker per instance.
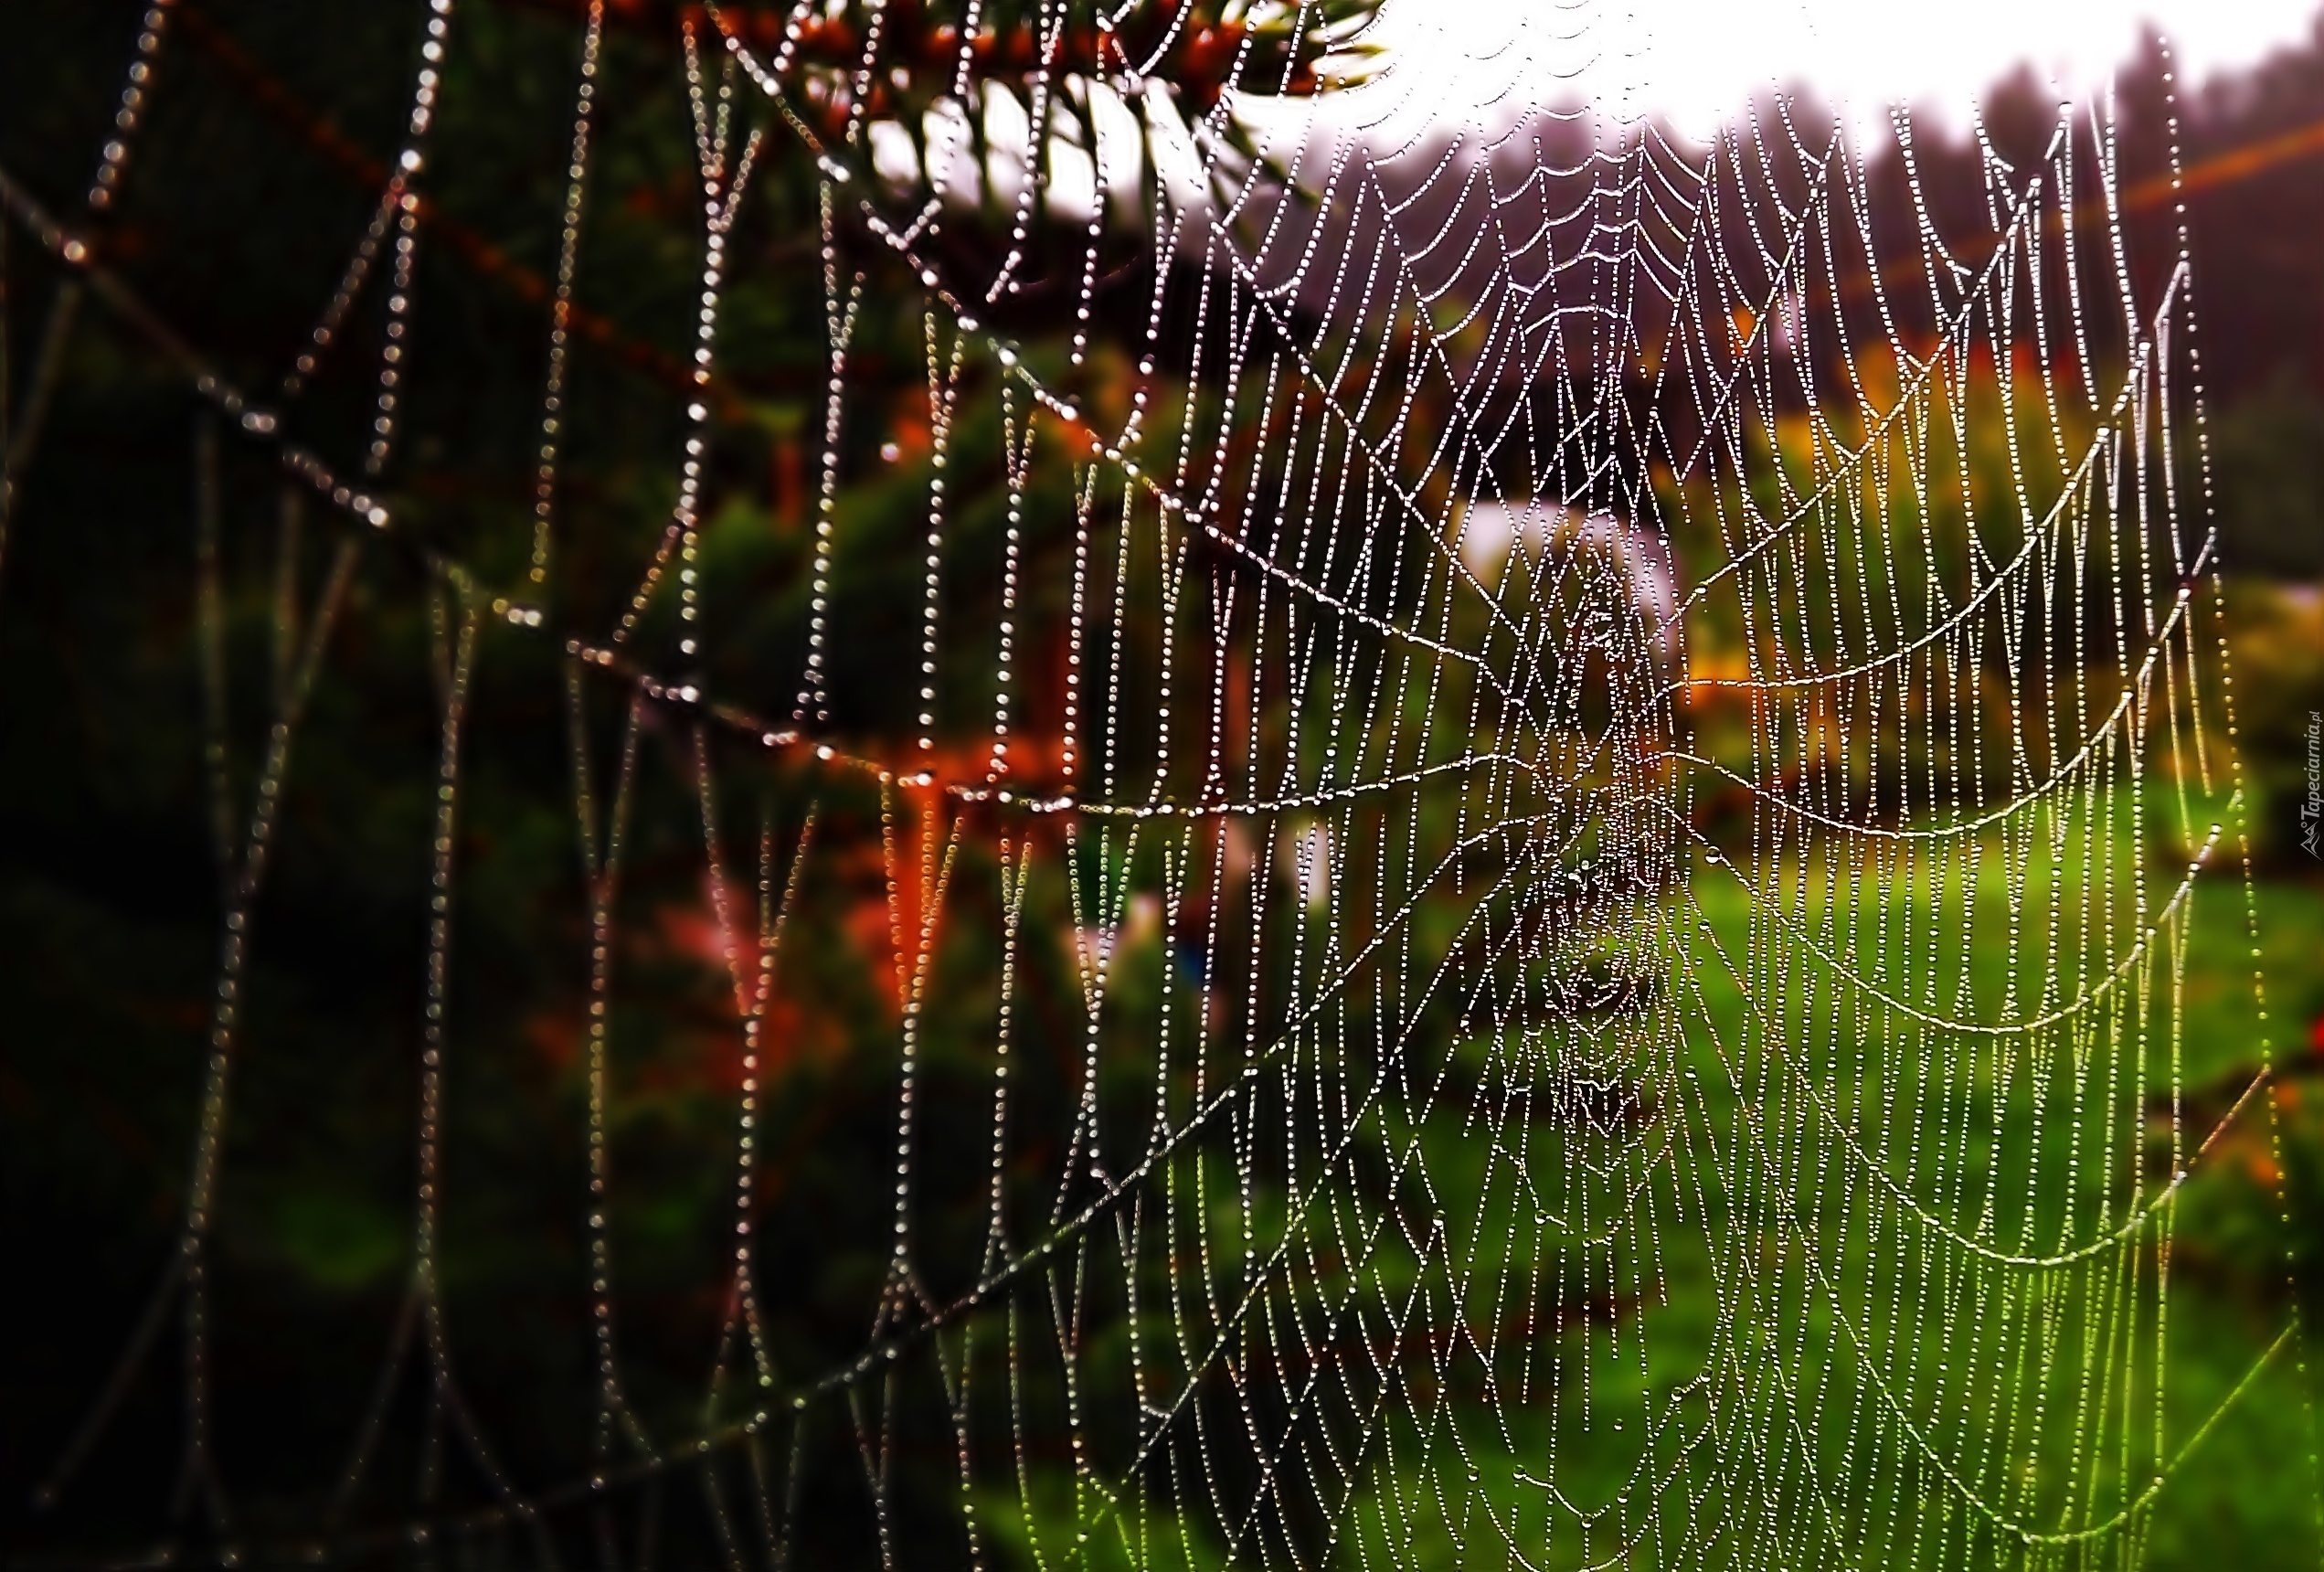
(1593, 814)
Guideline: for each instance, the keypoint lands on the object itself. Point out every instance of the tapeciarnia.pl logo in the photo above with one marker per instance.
(2313, 810)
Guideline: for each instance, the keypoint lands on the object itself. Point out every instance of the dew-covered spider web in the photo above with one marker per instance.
(1503, 860)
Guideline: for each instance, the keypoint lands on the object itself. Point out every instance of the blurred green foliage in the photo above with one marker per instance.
(243, 200)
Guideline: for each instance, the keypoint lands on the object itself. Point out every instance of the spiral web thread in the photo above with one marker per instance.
(1534, 769)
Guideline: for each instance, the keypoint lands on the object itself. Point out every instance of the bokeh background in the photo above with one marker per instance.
(266, 148)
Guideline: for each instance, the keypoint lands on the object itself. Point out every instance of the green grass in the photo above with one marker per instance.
(1763, 1302)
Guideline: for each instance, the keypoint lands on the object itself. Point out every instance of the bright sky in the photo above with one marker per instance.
(1696, 60)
